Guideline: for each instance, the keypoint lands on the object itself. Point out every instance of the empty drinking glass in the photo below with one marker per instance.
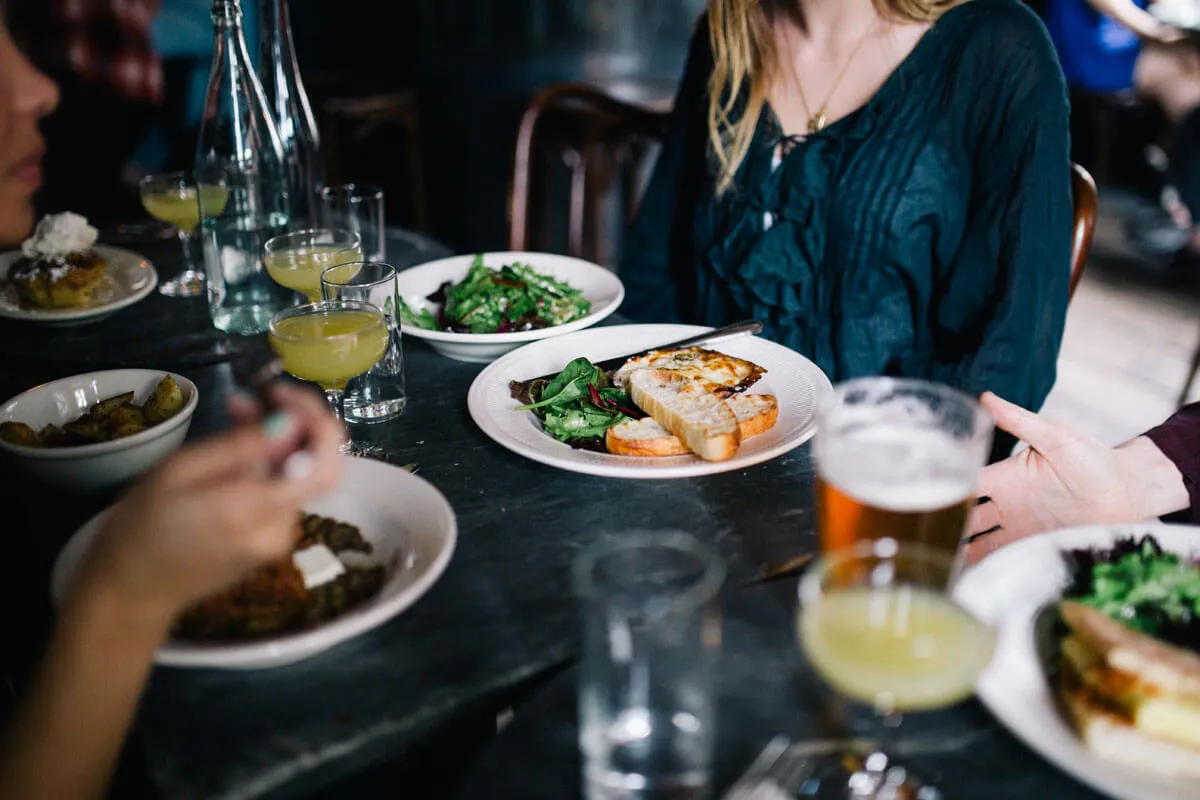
(356, 208)
(379, 395)
(652, 633)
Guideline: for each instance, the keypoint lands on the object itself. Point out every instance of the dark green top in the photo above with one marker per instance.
(927, 234)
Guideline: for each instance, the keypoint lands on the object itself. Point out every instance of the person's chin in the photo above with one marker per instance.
(16, 220)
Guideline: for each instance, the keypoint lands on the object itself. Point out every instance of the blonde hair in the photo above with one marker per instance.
(742, 36)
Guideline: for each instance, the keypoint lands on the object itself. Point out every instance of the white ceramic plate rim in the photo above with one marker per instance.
(508, 367)
(100, 448)
(284, 650)
(598, 312)
(118, 258)
(1015, 688)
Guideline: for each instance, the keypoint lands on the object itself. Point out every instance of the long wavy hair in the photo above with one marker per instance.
(745, 59)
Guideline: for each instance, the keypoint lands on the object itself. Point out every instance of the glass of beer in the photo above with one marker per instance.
(897, 459)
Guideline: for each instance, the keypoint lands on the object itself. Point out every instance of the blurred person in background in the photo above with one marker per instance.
(111, 77)
(1112, 46)
(885, 184)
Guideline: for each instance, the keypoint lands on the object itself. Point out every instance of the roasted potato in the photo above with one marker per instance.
(86, 431)
(52, 436)
(125, 415)
(128, 429)
(164, 402)
(19, 433)
(107, 407)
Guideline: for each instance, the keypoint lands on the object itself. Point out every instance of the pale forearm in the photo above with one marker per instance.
(64, 739)
(1155, 484)
(1131, 16)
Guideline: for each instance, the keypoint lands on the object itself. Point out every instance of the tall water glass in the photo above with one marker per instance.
(898, 459)
(356, 208)
(652, 634)
(379, 395)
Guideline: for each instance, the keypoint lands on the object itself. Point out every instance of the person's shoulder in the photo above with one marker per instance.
(999, 46)
(988, 26)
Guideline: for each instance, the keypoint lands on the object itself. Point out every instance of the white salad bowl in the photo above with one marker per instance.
(105, 464)
(599, 286)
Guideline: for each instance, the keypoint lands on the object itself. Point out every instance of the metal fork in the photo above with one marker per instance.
(777, 774)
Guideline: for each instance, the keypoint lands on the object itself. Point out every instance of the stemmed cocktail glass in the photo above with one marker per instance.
(296, 260)
(877, 622)
(329, 343)
(174, 198)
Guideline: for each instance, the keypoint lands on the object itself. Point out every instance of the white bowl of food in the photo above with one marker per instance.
(410, 533)
(484, 315)
(99, 429)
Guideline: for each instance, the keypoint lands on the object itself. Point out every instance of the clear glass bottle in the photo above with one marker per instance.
(239, 149)
(293, 114)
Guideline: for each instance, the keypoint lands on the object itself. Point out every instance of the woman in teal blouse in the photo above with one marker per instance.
(917, 224)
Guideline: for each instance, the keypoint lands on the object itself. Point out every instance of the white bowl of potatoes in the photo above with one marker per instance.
(97, 430)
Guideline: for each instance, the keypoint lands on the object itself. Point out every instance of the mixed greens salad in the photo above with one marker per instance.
(578, 405)
(1139, 584)
(512, 298)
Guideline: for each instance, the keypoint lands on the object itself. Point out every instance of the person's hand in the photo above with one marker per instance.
(215, 511)
(1065, 478)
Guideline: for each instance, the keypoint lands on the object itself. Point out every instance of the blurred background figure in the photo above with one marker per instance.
(101, 55)
(1113, 51)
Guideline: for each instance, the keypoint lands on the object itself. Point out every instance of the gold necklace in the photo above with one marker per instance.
(816, 122)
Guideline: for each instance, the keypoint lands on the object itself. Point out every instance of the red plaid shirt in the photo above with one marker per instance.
(107, 42)
(1179, 439)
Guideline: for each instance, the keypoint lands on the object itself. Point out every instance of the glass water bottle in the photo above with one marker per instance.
(293, 114)
(240, 151)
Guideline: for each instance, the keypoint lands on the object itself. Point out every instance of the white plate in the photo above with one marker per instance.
(599, 285)
(796, 382)
(408, 521)
(129, 278)
(1007, 589)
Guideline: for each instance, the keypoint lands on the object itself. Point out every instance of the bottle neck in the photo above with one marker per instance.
(227, 14)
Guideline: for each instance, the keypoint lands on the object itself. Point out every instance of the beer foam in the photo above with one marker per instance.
(899, 470)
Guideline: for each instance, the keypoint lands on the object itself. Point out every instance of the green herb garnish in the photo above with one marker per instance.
(512, 298)
(580, 403)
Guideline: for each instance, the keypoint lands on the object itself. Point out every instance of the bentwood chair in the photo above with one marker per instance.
(605, 145)
(1084, 198)
(579, 141)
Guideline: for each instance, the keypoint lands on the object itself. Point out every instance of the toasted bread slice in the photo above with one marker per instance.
(703, 421)
(719, 373)
(645, 437)
(1113, 739)
(1170, 669)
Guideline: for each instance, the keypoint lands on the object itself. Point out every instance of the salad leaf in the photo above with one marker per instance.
(1141, 585)
(580, 403)
(512, 298)
(421, 318)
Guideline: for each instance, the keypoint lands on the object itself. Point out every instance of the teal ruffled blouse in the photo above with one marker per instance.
(926, 235)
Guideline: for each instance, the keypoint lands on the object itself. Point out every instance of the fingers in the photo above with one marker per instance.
(321, 435)
(984, 546)
(224, 456)
(1025, 425)
(983, 518)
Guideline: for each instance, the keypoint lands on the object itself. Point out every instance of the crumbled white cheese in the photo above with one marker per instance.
(58, 235)
(318, 565)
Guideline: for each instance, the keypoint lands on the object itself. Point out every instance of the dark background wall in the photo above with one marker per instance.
(474, 64)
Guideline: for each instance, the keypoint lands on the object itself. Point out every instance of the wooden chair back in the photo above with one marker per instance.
(579, 144)
(1084, 198)
(602, 142)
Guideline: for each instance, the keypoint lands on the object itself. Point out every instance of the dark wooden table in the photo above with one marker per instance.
(500, 617)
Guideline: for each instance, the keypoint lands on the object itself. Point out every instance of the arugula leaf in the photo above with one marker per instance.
(422, 318)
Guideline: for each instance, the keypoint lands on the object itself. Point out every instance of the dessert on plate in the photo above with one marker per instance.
(58, 267)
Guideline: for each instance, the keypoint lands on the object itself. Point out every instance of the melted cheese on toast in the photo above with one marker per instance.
(720, 374)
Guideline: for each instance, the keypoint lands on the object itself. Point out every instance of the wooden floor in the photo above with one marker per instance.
(1131, 331)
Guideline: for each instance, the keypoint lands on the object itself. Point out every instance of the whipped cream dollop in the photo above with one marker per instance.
(59, 234)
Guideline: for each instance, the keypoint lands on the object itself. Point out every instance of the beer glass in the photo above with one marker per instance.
(897, 459)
